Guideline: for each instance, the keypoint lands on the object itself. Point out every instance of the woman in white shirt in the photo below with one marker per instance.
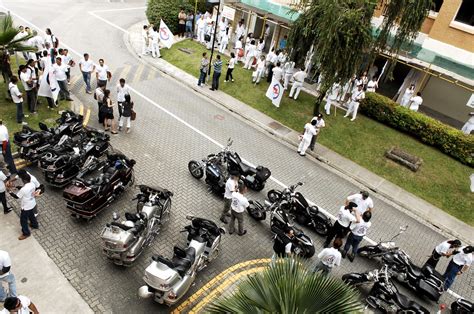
(445, 248)
(251, 50)
(230, 68)
(239, 52)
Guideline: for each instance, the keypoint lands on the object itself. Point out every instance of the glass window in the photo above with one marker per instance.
(466, 13)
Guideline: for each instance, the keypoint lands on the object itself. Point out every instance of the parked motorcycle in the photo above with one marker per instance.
(371, 251)
(169, 280)
(462, 306)
(302, 244)
(303, 213)
(384, 295)
(123, 242)
(86, 197)
(217, 167)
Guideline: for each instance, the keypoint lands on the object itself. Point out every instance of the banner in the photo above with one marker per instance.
(228, 13)
(49, 86)
(275, 92)
(166, 36)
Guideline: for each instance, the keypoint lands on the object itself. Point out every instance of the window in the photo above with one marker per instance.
(466, 13)
(436, 5)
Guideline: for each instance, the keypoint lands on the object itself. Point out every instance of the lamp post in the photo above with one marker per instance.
(215, 30)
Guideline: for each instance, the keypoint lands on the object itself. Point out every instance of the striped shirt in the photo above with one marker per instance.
(218, 66)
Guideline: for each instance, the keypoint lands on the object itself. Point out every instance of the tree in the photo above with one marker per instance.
(167, 10)
(7, 37)
(343, 37)
(288, 286)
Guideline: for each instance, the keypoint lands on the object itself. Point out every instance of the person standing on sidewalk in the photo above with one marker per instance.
(29, 86)
(282, 243)
(217, 73)
(319, 125)
(38, 186)
(446, 248)
(59, 70)
(6, 276)
(3, 196)
(329, 257)
(458, 265)
(238, 206)
(356, 98)
(203, 68)
(99, 96)
(358, 231)
(230, 187)
(363, 200)
(108, 109)
(155, 43)
(6, 149)
(17, 98)
(126, 114)
(309, 132)
(86, 65)
(343, 220)
(230, 68)
(20, 305)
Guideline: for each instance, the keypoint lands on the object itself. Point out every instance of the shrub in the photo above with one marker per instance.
(428, 130)
(168, 11)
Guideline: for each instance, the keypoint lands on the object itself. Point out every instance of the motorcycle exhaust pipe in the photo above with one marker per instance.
(144, 292)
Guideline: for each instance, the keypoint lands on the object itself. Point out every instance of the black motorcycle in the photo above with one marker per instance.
(214, 166)
(384, 295)
(373, 251)
(304, 214)
(302, 244)
(462, 306)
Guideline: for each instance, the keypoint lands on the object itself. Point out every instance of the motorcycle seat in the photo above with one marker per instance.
(415, 269)
(132, 217)
(246, 169)
(121, 226)
(183, 259)
(404, 302)
(429, 271)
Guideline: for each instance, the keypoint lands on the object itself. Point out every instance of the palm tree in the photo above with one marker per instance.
(288, 286)
(8, 32)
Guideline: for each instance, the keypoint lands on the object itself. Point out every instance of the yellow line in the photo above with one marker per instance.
(86, 118)
(138, 74)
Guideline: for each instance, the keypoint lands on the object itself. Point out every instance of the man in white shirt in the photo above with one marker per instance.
(332, 96)
(29, 82)
(278, 72)
(68, 61)
(272, 63)
(3, 197)
(319, 125)
(358, 231)
(38, 186)
(238, 205)
(298, 79)
(102, 73)
(415, 102)
(155, 41)
(201, 28)
(145, 39)
(289, 69)
(344, 218)
(356, 98)
(240, 29)
(230, 187)
(446, 248)
(458, 265)
(122, 90)
(329, 258)
(309, 132)
(257, 75)
(363, 200)
(6, 149)
(17, 98)
(59, 70)
(19, 305)
(6, 276)
(86, 65)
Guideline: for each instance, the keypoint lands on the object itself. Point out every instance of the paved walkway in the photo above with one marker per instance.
(439, 219)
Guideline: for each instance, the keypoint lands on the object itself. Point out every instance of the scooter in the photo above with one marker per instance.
(302, 244)
(167, 281)
(371, 251)
(303, 213)
(462, 306)
(384, 295)
(123, 242)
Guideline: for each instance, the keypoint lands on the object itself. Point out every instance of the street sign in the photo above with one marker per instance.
(228, 13)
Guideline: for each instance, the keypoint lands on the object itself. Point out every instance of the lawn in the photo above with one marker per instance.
(442, 181)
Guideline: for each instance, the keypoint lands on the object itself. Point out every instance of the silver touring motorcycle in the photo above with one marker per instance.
(123, 242)
(168, 280)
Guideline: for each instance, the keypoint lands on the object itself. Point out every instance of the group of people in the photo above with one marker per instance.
(151, 41)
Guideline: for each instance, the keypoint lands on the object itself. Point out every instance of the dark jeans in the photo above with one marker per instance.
(19, 112)
(215, 80)
(313, 142)
(31, 100)
(24, 217)
(270, 73)
(354, 241)
(68, 75)
(181, 29)
(433, 260)
(3, 200)
(337, 231)
(102, 83)
(202, 77)
(7, 156)
(450, 274)
(86, 76)
(228, 75)
(50, 102)
(322, 268)
(226, 209)
(63, 90)
(120, 108)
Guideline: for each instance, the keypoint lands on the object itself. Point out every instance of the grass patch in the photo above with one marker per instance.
(441, 180)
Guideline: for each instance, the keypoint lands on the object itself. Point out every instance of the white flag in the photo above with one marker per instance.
(275, 92)
(166, 36)
(49, 86)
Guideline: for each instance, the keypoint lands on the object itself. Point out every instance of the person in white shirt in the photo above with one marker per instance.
(260, 47)
(27, 195)
(298, 79)
(238, 205)
(222, 26)
(372, 85)
(59, 70)
(251, 52)
(332, 96)
(270, 56)
(344, 218)
(309, 132)
(468, 127)
(6, 276)
(68, 61)
(415, 102)
(356, 98)
(230, 187)
(288, 69)
(460, 263)
(102, 74)
(19, 305)
(257, 75)
(273, 61)
(87, 66)
(145, 40)
(407, 95)
(29, 82)
(122, 90)
(239, 51)
(230, 68)
(240, 30)
(445, 248)
(248, 40)
(51, 39)
(319, 125)
(201, 27)
(224, 41)
(17, 98)
(329, 258)
(6, 149)
(3, 197)
(283, 243)
(38, 186)
(278, 72)
(363, 200)
(358, 231)
(155, 43)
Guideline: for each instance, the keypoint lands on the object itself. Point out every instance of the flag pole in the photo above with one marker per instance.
(214, 37)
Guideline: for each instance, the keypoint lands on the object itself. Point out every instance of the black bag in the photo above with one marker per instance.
(207, 37)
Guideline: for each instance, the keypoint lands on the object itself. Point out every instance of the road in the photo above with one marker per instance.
(174, 125)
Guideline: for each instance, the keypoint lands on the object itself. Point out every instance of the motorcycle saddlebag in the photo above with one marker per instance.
(431, 292)
(263, 173)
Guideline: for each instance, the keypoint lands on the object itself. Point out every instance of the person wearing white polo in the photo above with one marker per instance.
(298, 78)
(415, 102)
(6, 276)
(86, 65)
(363, 201)
(238, 205)
(329, 258)
(309, 132)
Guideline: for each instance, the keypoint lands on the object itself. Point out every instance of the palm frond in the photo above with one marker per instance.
(7, 36)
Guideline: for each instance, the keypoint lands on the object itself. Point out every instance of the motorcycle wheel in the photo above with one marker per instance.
(257, 185)
(195, 169)
(165, 216)
(307, 251)
(321, 228)
(255, 213)
(364, 252)
(273, 195)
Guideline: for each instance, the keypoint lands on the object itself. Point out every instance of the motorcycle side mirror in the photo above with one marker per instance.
(221, 230)
(229, 142)
(300, 183)
(115, 216)
(189, 217)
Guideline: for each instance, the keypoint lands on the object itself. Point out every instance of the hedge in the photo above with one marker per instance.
(428, 130)
(167, 10)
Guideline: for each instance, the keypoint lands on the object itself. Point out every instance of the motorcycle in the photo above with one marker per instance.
(426, 281)
(123, 242)
(303, 213)
(384, 295)
(86, 197)
(371, 251)
(228, 162)
(462, 306)
(169, 280)
(302, 244)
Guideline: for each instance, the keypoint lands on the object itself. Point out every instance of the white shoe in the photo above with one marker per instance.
(346, 116)
(352, 119)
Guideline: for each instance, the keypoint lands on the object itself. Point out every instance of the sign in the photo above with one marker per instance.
(49, 86)
(166, 36)
(228, 13)
(275, 92)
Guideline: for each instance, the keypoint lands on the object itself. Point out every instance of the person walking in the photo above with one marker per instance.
(257, 75)
(356, 97)
(344, 218)
(6, 149)
(155, 43)
(203, 68)
(298, 79)
(230, 187)
(230, 68)
(87, 66)
(282, 243)
(99, 96)
(27, 196)
(358, 231)
(108, 108)
(59, 70)
(309, 132)
(122, 90)
(69, 62)
(217, 73)
(458, 265)
(288, 70)
(126, 115)
(329, 258)
(446, 248)
(319, 125)
(102, 74)
(407, 95)
(20, 305)
(363, 200)
(251, 51)
(17, 98)
(6, 276)
(181, 23)
(238, 206)
(39, 188)
(332, 96)
(3, 196)
(415, 102)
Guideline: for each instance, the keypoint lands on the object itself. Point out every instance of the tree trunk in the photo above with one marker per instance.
(319, 100)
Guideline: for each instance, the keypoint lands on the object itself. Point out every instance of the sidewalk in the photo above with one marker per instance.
(429, 213)
(37, 276)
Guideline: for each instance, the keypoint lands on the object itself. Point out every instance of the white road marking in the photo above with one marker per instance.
(123, 9)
